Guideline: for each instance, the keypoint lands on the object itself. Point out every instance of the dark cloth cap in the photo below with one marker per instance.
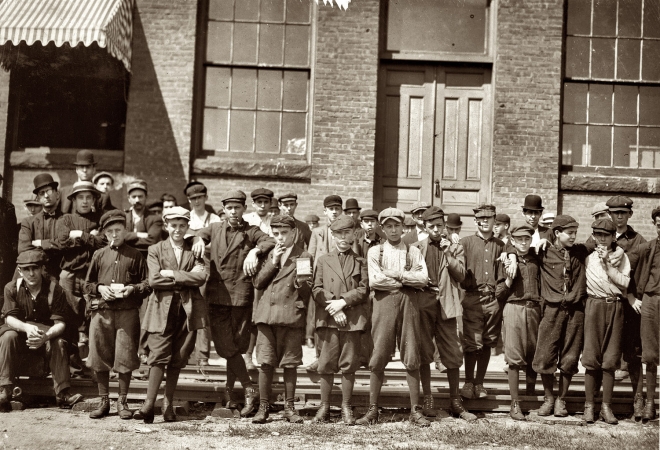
(409, 222)
(137, 184)
(83, 186)
(84, 158)
(234, 196)
(42, 180)
(261, 192)
(155, 204)
(100, 175)
(351, 203)
(289, 196)
(282, 221)
(655, 212)
(36, 257)
(342, 222)
(454, 220)
(112, 216)
(391, 213)
(484, 211)
(533, 202)
(311, 218)
(432, 213)
(563, 221)
(619, 203)
(604, 224)
(31, 202)
(418, 205)
(194, 189)
(522, 229)
(504, 218)
(332, 200)
(369, 214)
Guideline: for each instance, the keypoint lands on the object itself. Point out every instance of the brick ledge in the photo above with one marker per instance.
(296, 170)
(600, 183)
(62, 158)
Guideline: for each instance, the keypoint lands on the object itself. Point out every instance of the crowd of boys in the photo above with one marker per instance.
(151, 283)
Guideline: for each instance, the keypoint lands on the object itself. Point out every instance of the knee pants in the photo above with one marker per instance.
(603, 329)
(443, 332)
(561, 333)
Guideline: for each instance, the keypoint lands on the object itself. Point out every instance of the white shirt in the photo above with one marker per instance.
(136, 219)
(178, 251)
(203, 221)
(263, 223)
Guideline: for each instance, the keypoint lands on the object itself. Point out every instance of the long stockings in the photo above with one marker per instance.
(237, 370)
(347, 383)
(651, 377)
(425, 375)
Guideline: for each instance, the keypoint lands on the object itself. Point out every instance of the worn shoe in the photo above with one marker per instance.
(638, 406)
(480, 391)
(347, 415)
(560, 407)
(122, 408)
(417, 418)
(588, 412)
(547, 407)
(440, 367)
(5, 398)
(249, 364)
(428, 408)
(649, 410)
(370, 418)
(313, 367)
(457, 409)
(289, 413)
(606, 414)
(168, 411)
(309, 342)
(65, 399)
(515, 412)
(323, 414)
(620, 374)
(262, 414)
(251, 401)
(467, 391)
(230, 403)
(146, 412)
(102, 410)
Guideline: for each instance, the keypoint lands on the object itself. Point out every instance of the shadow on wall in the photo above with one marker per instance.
(151, 151)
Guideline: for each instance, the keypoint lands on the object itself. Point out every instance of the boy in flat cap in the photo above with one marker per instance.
(603, 319)
(288, 203)
(175, 311)
(367, 236)
(32, 206)
(143, 228)
(280, 316)
(418, 232)
(85, 170)
(600, 211)
(396, 271)
(115, 286)
(312, 221)
(235, 250)
(261, 199)
(36, 313)
(501, 228)
(521, 296)
(340, 291)
(439, 305)
(104, 182)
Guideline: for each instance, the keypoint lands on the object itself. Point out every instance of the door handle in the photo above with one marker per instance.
(437, 188)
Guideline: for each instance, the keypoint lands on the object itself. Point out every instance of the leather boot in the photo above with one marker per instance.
(370, 418)
(146, 413)
(251, 401)
(230, 403)
(323, 414)
(638, 406)
(347, 415)
(547, 407)
(417, 418)
(560, 408)
(168, 411)
(291, 414)
(457, 409)
(102, 410)
(65, 399)
(515, 412)
(428, 409)
(262, 414)
(606, 414)
(122, 408)
(649, 410)
(588, 412)
(5, 398)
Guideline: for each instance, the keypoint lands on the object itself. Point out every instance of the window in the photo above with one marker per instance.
(257, 78)
(611, 111)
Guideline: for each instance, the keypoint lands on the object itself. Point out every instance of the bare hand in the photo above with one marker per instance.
(32, 331)
(636, 304)
(73, 234)
(335, 306)
(107, 293)
(541, 245)
(251, 262)
(36, 243)
(504, 258)
(94, 232)
(512, 269)
(445, 244)
(602, 251)
(340, 318)
(127, 291)
(142, 235)
(616, 257)
(167, 273)
(37, 341)
(278, 251)
(198, 247)
(455, 238)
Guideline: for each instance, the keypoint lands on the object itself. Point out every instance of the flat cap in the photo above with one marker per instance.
(564, 221)
(484, 211)
(369, 214)
(137, 184)
(391, 213)
(504, 218)
(599, 208)
(83, 186)
(36, 257)
(100, 175)
(288, 197)
(547, 218)
(42, 180)
(655, 212)
(351, 203)
(155, 204)
(332, 200)
(261, 192)
(432, 213)
(604, 224)
(409, 222)
(112, 216)
(619, 203)
(342, 222)
(234, 196)
(522, 229)
(176, 212)
(454, 220)
(195, 189)
(418, 205)
(31, 202)
(533, 202)
(282, 221)
(311, 218)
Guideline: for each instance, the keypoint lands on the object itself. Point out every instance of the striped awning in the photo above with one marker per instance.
(106, 22)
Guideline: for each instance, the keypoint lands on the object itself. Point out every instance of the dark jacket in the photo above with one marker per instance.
(9, 241)
(101, 204)
(646, 253)
(33, 229)
(303, 234)
(150, 224)
(77, 252)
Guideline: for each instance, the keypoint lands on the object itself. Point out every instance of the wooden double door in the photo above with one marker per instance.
(433, 137)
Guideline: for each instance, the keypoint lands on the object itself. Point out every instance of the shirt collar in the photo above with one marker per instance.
(180, 247)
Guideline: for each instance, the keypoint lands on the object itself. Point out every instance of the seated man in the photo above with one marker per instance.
(35, 311)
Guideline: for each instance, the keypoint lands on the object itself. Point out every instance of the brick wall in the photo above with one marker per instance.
(527, 99)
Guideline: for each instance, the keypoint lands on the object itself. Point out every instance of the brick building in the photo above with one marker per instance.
(390, 101)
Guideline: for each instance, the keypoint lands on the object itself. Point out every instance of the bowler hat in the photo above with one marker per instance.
(83, 186)
(36, 257)
(351, 203)
(342, 223)
(655, 212)
(454, 220)
(84, 158)
(42, 180)
(533, 202)
(112, 216)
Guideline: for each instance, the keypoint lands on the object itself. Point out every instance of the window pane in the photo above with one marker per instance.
(296, 47)
(600, 145)
(625, 105)
(651, 61)
(221, 9)
(294, 133)
(215, 129)
(574, 145)
(245, 43)
(218, 46)
(605, 18)
(575, 102)
(652, 18)
(243, 89)
(272, 11)
(295, 90)
(649, 147)
(600, 103)
(649, 106)
(627, 60)
(630, 18)
(578, 17)
(241, 136)
(268, 132)
(625, 146)
(297, 11)
(602, 60)
(247, 10)
(271, 44)
(270, 90)
(217, 87)
(577, 57)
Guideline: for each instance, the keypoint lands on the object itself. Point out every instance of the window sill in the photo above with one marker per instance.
(63, 158)
(573, 181)
(273, 168)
